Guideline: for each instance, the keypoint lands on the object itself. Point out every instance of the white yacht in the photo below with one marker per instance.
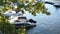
(19, 20)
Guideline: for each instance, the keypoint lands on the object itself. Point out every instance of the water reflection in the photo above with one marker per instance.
(46, 24)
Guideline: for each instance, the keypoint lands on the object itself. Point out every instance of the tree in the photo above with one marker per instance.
(32, 6)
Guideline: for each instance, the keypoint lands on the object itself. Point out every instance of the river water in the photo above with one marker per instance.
(46, 24)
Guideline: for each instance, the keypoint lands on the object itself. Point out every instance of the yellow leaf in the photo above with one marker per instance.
(22, 33)
(0, 17)
(24, 29)
(0, 20)
(7, 0)
(6, 19)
